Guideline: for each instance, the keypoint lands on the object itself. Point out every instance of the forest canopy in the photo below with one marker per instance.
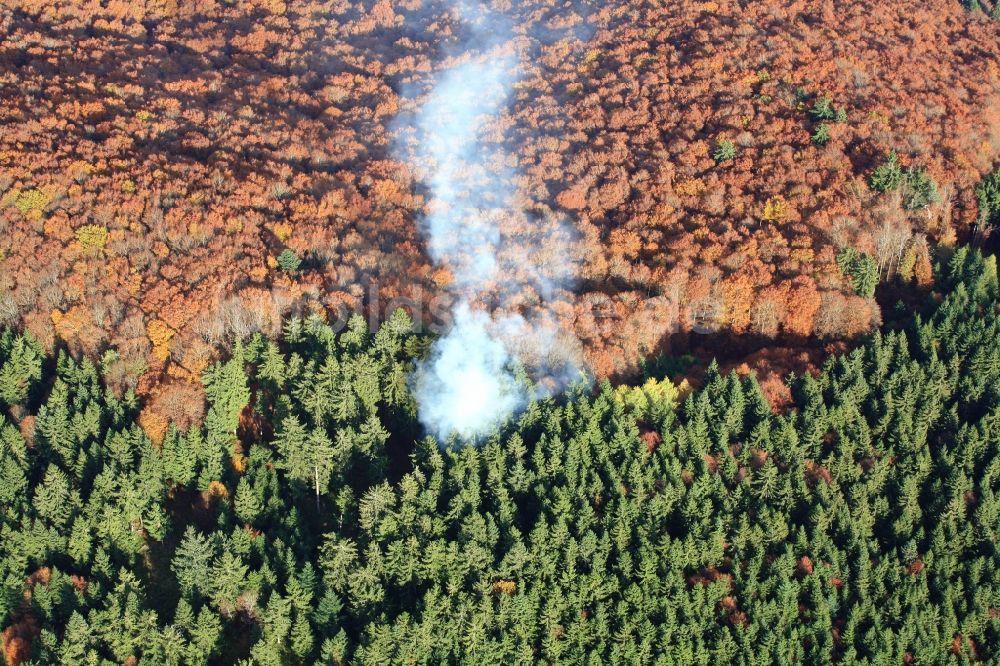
(304, 520)
(222, 279)
(175, 175)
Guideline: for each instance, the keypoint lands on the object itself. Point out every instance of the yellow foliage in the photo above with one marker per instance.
(92, 236)
(691, 187)
(144, 116)
(282, 230)
(711, 253)
(133, 283)
(655, 396)
(905, 268)
(128, 187)
(9, 198)
(803, 255)
(775, 209)
(159, 334)
(70, 323)
(239, 462)
(79, 171)
(30, 201)
(217, 489)
(507, 587)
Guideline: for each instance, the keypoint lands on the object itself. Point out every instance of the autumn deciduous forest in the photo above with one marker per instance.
(216, 288)
(158, 158)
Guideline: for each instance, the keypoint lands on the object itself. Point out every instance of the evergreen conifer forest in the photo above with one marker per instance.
(499, 333)
(306, 521)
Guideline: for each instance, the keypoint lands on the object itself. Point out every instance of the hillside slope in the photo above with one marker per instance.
(629, 525)
(156, 158)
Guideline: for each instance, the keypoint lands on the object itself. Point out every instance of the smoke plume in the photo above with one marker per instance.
(507, 267)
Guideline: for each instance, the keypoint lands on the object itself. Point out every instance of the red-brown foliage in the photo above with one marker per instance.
(651, 439)
(165, 153)
(816, 473)
(17, 640)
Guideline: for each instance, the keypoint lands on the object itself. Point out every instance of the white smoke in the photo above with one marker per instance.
(469, 384)
(460, 233)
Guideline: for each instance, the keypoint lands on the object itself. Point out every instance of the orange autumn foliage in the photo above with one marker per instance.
(205, 142)
(17, 639)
